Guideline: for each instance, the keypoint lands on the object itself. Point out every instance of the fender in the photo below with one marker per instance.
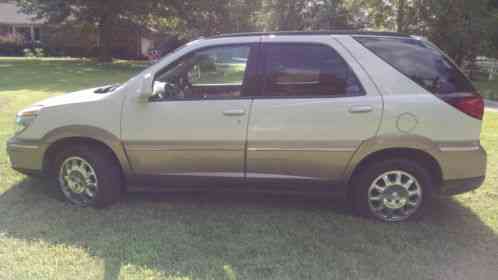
(90, 132)
(384, 142)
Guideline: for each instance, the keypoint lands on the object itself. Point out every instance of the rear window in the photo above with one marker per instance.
(421, 62)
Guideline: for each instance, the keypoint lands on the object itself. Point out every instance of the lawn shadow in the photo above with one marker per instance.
(218, 236)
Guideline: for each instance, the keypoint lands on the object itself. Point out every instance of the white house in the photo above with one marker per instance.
(14, 22)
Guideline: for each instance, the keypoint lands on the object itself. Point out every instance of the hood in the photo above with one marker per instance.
(87, 95)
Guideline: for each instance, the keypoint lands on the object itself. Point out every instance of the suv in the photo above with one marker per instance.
(385, 119)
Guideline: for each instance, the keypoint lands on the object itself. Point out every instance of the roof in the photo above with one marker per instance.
(10, 13)
(326, 32)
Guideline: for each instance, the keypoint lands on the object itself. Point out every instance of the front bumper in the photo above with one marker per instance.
(26, 156)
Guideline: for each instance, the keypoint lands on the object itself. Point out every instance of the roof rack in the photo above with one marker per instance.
(324, 32)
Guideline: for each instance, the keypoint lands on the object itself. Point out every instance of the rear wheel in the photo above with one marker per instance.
(392, 191)
(88, 176)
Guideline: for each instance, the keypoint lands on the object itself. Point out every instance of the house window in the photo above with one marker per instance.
(37, 34)
(25, 32)
(4, 30)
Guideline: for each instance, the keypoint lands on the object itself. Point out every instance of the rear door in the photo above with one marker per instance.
(316, 108)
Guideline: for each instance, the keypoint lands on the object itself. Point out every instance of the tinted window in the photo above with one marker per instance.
(421, 62)
(307, 70)
(212, 73)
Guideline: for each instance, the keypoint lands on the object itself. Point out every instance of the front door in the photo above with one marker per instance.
(196, 127)
(316, 109)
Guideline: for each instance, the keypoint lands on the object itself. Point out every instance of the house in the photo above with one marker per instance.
(75, 39)
(14, 22)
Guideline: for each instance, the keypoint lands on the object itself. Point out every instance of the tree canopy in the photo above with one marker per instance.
(463, 28)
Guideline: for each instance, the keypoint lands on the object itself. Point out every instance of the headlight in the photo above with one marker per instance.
(25, 118)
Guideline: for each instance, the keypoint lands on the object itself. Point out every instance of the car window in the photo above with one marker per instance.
(212, 73)
(303, 70)
(421, 62)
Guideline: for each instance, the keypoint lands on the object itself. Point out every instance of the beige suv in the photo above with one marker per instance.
(383, 118)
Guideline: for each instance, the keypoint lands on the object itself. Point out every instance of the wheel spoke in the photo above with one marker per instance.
(378, 188)
(413, 193)
(387, 181)
(376, 198)
(408, 184)
(89, 192)
(412, 203)
(398, 178)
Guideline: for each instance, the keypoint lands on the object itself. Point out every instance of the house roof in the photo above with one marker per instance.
(10, 13)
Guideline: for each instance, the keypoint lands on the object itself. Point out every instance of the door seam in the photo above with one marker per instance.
(246, 141)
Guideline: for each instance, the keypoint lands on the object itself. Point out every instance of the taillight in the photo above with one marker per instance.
(471, 104)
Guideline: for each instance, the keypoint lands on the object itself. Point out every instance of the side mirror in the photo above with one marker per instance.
(159, 89)
(146, 88)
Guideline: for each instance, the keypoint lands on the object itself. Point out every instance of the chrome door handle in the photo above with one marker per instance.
(234, 112)
(360, 109)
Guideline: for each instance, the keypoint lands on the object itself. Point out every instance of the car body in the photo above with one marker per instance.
(289, 111)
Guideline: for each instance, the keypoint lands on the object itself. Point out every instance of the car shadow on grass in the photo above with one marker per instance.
(252, 236)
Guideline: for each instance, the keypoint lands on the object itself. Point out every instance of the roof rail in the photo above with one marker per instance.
(324, 32)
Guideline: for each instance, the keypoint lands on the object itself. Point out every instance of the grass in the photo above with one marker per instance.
(221, 236)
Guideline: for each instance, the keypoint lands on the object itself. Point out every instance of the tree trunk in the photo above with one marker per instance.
(332, 14)
(400, 19)
(105, 37)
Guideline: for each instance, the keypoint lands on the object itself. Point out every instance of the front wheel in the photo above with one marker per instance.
(392, 191)
(88, 176)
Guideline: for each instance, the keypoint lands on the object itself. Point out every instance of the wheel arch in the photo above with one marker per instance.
(59, 138)
(422, 157)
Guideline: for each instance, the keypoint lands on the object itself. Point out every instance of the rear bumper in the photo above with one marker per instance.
(463, 169)
(25, 156)
(458, 186)
(469, 162)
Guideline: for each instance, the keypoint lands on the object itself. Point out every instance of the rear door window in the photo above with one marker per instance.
(421, 62)
(307, 70)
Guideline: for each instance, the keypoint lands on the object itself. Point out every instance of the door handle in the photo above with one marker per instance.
(234, 112)
(360, 109)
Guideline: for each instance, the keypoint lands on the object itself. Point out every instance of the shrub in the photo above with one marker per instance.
(28, 53)
(40, 52)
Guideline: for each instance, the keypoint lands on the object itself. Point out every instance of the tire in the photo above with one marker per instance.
(389, 200)
(104, 175)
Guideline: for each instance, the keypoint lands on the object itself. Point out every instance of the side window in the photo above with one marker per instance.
(304, 70)
(421, 62)
(216, 72)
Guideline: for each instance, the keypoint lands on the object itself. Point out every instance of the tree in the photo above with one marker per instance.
(460, 27)
(305, 15)
(104, 14)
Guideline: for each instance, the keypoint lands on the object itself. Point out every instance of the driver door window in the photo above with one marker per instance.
(212, 73)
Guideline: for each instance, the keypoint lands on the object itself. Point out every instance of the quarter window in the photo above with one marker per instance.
(304, 70)
(212, 73)
(421, 62)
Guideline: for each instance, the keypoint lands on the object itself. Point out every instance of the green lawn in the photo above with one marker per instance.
(213, 236)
